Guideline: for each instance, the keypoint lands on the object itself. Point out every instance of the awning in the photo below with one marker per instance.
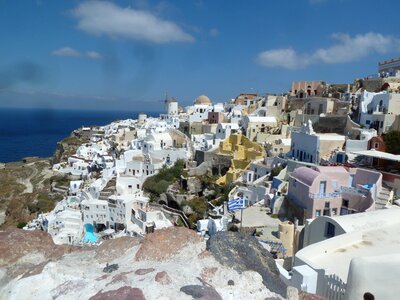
(378, 154)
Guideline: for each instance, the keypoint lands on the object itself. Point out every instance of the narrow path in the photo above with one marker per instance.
(27, 181)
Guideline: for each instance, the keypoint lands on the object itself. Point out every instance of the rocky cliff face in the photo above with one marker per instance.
(243, 253)
(168, 264)
(68, 146)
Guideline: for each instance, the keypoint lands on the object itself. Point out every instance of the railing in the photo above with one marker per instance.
(177, 212)
(325, 195)
(335, 288)
(353, 190)
(173, 211)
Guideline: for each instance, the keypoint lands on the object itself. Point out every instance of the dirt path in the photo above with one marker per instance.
(27, 181)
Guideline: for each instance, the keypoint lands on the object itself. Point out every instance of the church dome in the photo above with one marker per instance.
(203, 100)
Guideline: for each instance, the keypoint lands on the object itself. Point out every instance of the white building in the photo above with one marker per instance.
(224, 130)
(252, 125)
(379, 110)
(199, 111)
(308, 146)
(363, 257)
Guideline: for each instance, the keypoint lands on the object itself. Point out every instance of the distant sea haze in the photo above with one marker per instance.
(35, 132)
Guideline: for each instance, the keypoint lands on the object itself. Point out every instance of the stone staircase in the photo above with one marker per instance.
(108, 190)
(105, 194)
(225, 224)
(383, 198)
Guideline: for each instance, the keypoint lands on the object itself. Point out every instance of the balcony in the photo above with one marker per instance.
(325, 195)
(355, 190)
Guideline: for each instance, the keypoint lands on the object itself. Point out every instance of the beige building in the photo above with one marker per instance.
(303, 89)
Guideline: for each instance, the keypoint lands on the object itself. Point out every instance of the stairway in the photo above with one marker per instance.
(105, 194)
(383, 198)
(225, 224)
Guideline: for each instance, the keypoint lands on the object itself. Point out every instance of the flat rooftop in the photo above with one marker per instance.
(375, 242)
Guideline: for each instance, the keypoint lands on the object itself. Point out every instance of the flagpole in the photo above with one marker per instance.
(241, 219)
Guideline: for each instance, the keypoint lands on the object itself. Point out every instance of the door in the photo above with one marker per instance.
(322, 188)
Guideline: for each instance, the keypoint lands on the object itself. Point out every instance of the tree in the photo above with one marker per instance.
(392, 142)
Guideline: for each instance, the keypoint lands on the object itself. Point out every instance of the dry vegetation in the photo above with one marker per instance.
(18, 205)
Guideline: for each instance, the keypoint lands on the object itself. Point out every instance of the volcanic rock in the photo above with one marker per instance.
(243, 253)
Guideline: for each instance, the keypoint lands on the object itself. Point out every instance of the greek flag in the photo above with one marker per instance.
(236, 204)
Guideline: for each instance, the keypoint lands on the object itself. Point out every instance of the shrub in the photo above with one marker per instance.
(158, 184)
(21, 225)
(392, 142)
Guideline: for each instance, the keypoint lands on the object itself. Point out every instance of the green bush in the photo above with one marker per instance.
(21, 225)
(199, 205)
(392, 142)
(158, 184)
(43, 204)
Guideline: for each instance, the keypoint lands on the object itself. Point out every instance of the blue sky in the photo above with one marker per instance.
(125, 55)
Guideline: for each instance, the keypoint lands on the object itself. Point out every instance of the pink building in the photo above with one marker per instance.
(331, 191)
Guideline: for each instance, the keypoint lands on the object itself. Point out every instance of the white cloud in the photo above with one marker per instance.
(345, 49)
(70, 52)
(66, 51)
(286, 58)
(106, 18)
(94, 55)
(214, 32)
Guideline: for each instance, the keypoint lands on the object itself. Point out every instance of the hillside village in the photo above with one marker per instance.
(313, 174)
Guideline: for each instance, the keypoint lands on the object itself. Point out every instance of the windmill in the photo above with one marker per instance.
(167, 100)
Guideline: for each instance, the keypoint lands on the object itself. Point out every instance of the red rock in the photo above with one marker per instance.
(208, 273)
(144, 271)
(112, 249)
(204, 254)
(307, 296)
(123, 293)
(165, 243)
(121, 277)
(17, 243)
(163, 278)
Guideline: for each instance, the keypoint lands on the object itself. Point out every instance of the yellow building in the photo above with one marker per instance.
(243, 151)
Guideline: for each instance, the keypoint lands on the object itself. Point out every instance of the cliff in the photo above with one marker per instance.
(68, 146)
(168, 264)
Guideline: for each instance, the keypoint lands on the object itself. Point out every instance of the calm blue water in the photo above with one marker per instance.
(35, 132)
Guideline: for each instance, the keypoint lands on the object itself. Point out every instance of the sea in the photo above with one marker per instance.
(35, 132)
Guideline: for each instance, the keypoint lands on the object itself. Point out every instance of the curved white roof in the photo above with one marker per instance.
(367, 220)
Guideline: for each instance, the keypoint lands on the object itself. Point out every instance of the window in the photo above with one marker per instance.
(334, 184)
(334, 211)
(376, 145)
(367, 122)
(317, 213)
(330, 230)
(345, 203)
